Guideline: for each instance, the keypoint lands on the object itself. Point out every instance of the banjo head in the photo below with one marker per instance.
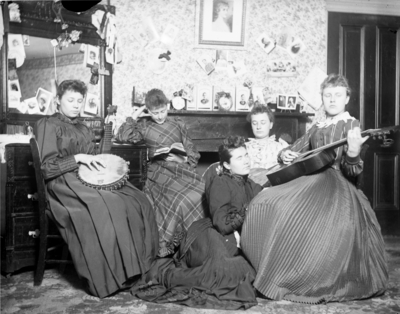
(112, 177)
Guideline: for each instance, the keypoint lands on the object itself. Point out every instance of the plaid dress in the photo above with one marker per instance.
(176, 190)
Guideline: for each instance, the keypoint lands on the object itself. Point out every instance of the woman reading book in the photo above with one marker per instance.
(172, 182)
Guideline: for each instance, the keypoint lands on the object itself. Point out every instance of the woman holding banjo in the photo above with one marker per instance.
(316, 238)
(111, 235)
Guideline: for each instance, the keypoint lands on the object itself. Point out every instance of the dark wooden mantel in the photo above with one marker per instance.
(209, 128)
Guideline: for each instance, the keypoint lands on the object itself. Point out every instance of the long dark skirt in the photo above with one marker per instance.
(204, 274)
(111, 235)
(315, 239)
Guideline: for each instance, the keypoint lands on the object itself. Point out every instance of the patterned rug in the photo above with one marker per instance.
(62, 293)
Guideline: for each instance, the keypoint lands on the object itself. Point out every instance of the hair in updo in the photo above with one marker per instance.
(259, 109)
(155, 99)
(335, 80)
(71, 85)
(229, 144)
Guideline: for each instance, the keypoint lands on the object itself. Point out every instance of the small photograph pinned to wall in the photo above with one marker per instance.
(44, 99)
(13, 86)
(266, 43)
(206, 63)
(13, 99)
(32, 105)
(223, 98)
(26, 40)
(222, 57)
(204, 98)
(291, 102)
(16, 49)
(281, 102)
(91, 106)
(281, 68)
(236, 68)
(92, 55)
(169, 34)
(296, 47)
(242, 99)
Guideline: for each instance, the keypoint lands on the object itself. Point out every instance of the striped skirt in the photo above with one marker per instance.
(315, 239)
(178, 197)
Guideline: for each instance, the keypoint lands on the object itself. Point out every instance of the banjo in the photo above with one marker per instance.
(113, 177)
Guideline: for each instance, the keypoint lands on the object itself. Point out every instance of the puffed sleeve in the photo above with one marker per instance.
(53, 163)
(227, 213)
(302, 144)
(351, 166)
(193, 154)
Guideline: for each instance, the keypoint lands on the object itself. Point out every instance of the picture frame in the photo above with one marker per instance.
(44, 98)
(281, 102)
(32, 106)
(92, 55)
(221, 24)
(291, 102)
(204, 99)
(242, 99)
(91, 105)
(282, 68)
(223, 98)
(266, 42)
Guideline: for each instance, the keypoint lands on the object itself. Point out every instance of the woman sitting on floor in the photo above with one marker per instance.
(209, 271)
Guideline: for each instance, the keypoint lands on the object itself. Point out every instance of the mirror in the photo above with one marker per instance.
(34, 68)
(30, 65)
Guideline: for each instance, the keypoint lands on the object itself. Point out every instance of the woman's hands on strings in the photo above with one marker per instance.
(90, 161)
(288, 156)
(355, 141)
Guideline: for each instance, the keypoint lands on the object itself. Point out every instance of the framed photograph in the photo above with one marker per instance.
(32, 105)
(281, 68)
(223, 98)
(91, 105)
(13, 85)
(44, 99)
(242, 98)
(258, 95)
(281, 102)
(204, 98)
(291, 102)
(206, 63)
(296, 47)
(92, 55)
(220, 24)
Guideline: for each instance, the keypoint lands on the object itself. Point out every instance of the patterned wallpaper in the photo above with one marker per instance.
(307, 17)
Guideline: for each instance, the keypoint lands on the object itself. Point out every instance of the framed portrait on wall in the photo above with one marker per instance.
(220, 24)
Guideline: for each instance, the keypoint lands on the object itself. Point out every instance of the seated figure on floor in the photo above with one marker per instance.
(263, 149)
(316, 238)
(209, 270)
(111, 235)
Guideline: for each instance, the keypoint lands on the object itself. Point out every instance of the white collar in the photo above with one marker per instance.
(328, 121)
(267, 139)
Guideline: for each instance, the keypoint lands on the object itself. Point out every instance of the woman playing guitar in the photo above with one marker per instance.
(316, 238)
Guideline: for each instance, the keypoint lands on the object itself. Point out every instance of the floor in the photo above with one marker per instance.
(62, 293)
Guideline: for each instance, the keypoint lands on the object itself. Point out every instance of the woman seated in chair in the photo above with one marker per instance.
(111, 235)
(209, 271)
(263, 149)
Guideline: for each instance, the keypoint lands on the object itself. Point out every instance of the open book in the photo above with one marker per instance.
(175, 148)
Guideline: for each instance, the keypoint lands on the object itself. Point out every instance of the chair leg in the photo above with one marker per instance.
(41, 261)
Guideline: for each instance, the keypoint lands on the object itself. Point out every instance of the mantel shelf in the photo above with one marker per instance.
(234, 113)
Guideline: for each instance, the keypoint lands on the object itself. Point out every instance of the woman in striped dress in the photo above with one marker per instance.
(173, 185)
(316, 238)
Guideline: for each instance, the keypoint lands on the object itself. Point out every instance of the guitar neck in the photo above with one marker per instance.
(333, 145)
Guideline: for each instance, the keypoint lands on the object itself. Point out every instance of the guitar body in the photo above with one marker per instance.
(305, 165)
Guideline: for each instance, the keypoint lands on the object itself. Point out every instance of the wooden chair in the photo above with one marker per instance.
(49, 237)
(209, 175)
(45, 237)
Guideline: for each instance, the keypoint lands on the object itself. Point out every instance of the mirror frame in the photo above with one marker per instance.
(37, 19)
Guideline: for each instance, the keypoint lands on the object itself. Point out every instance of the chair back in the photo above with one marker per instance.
(40, 184)
(209, 175)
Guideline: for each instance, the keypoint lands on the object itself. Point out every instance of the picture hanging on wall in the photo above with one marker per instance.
(281, 68)
(204, 98)
(220, 24)
(266, 42)
(44, 99)
(91, 104)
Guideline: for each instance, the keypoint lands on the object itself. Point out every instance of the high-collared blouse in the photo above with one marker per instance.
(322, 134)
(264, 153)
(173, 130)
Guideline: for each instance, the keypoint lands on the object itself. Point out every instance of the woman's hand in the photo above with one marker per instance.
(288, 156)
(138, 112)
(90, 161)
(177, 158)
(355, 141)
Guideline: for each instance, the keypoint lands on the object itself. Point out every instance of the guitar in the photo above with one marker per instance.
(319, 158)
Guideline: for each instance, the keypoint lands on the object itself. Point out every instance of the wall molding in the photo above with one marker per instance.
(376, 7)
